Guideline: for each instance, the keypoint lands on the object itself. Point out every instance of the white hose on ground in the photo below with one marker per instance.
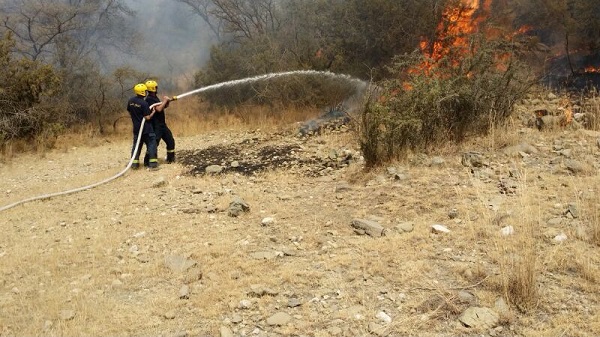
(83, 188)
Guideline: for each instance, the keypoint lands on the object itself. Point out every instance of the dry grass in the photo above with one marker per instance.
(77, 252)
(592, 217)
(190, 117)
(591, 108)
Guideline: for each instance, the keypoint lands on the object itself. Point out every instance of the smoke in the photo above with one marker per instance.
(175, 43)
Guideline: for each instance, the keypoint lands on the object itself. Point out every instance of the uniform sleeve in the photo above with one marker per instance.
(146, 109)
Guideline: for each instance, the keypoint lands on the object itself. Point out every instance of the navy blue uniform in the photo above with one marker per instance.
(161, 129)
(138, 108)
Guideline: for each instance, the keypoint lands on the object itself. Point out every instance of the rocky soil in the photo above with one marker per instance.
(276, 234)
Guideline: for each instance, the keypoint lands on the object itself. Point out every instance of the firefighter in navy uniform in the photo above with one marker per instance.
(159, 122)
(138, 110)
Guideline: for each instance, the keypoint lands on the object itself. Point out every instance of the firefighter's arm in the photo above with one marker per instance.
(150, 114)
(164, 104)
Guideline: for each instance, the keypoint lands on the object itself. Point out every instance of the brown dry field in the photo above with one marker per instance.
(100, 254)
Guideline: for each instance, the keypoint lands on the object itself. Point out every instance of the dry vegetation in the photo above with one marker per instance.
(100, 254)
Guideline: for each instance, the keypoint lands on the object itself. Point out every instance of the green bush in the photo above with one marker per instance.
(26, 84)
(460, 95)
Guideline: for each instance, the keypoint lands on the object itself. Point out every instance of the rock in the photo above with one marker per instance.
(342, 187)
(214, 169)
(294, 302)
(237, 207)
(193, 275)
(453, 213)
(267, 221)
(184, 292)
(385, 318)
(437, 228)
(47, 325)
(171, 314)
(179, 264)
(279, 319)
(391, 170)
(67, 315)
(401, 176)
(354, 312)
(263, 255)
(226, 332)
(472, 159)
(245, 304)
(520, 148)
(257, 290)
(549, 122)
(566, 153)
(573, 211)
(501, 307)
(506, 231)
(437, 161)
(236, 319)
(560, 238)
(369, 227)
(235, 164)
(160, 182)
(405, 227)
(333, 154)
(377, 329)
(466, 297)
(575, 166)
(479, 318)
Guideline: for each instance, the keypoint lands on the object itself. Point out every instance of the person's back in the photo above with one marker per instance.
(139, 110)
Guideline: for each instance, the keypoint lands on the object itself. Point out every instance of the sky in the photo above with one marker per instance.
(176, 43)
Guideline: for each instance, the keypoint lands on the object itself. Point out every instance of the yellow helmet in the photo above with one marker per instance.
(151, 85)
(140, 89)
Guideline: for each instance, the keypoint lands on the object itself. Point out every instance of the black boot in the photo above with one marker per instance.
(171, 156)
(146, 160)
(152, 164)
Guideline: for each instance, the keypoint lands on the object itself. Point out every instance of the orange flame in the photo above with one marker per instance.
(567, 108)
(452, 38)
(453, 32)
(591, 69)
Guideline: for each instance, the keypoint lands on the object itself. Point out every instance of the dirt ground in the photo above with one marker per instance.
(157, 253)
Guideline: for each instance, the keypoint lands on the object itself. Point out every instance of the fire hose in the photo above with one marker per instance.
(87, 187)
(356, 81)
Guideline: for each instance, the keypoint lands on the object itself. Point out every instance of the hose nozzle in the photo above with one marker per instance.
(174, 98)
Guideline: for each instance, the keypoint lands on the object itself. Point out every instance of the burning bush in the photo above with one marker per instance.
(458, 95)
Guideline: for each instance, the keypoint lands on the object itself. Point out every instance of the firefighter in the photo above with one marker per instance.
(158, 121)
(138, 110)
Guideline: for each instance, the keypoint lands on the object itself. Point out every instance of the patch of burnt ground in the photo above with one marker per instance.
(252, 156)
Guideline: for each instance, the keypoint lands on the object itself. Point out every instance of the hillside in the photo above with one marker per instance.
(267, 248)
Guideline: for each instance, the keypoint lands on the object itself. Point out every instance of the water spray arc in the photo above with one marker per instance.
(271, 76)
(217, 86)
